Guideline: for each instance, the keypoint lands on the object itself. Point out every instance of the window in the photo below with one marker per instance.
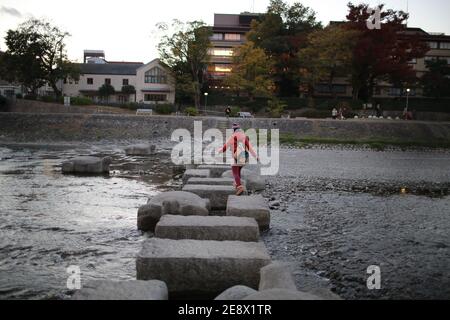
(107, 81)
(396, 92)
(232, 37)
(337, 88)
(222, 68)
(413, 61)
(221, 52)
(155, 97)
(433, 45)
(445, 45)
(90, 81)
(155, 75)
(216, 37)
(125, 82)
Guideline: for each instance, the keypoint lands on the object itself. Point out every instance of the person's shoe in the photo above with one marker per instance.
(239, 190)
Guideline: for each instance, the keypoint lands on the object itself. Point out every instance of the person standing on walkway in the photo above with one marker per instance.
(239, 144)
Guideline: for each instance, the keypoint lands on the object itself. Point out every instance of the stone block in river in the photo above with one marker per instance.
(203, 268)
(174, 203)
(217, 195)
(250, 206)
(216, 170)
(235, 293)
(277, 275)
(195, 173)
(254, 181)
(207, 228)
(282, 294)
(122, 290)
(212, 181)
(140, 150)
(87, 165)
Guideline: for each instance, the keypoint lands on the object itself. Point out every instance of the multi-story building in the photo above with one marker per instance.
(439, 44)
(228, 33)
(151, 81)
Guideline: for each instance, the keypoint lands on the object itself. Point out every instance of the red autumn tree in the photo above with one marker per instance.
(382, 54)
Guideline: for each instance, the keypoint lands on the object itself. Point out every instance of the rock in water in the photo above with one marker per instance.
(140, 150)
(174, 203)
(236, 293)
(87, 164)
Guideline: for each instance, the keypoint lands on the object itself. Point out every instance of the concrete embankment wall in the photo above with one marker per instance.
(94, 127)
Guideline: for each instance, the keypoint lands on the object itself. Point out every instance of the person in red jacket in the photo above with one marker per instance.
(239, 143)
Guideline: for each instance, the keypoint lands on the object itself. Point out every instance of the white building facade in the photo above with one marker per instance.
(152, 82)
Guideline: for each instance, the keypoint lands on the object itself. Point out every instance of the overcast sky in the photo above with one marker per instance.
(125, 29)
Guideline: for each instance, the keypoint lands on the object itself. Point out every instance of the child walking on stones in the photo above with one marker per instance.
(240, 145)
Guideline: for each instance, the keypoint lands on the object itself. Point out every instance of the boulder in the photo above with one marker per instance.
(235, 293)
(250, 206)
(122, 290)
(140, 150)
(254, 181)
(174, 203)
(281, 294)
(216, 170)
(217, 195)
(201, 268)
(207, 228)
(276, 275)
(195, 173)
(87, 164)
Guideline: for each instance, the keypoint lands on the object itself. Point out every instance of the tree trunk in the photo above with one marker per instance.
(55, 89)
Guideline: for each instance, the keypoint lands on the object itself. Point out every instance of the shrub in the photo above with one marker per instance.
(30, 96)
(81, 101)
(19, 96)
(163, 108)
(191, 111)
(235, 111)
(276, 107)
(48, 99)
(4, 104)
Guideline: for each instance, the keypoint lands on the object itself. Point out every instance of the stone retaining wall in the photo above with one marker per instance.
(21, 127)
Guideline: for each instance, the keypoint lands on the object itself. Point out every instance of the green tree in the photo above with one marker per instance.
(436, 82)
(36, 55)
(106, 90)
(251, 72)
(282, 32)
(328, 55)
(185, 52)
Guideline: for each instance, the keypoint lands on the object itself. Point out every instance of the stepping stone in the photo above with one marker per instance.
(88, 165)
(216, 170)
(122, 290)
(201, 268)
(217, 195)
(276, 275)
(254, 181)
(282, 294)
(174, 203)
(212, 181)
(250, 206)
(195, 173)
(207, 228)
(236, 293)
(140, 150)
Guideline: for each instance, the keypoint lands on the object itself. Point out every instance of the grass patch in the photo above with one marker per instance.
(376, 144)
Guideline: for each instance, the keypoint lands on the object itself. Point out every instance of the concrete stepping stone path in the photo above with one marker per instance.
(174, 203)
(140, 150)
(207, 228)
(216, 170)
(87, 165)
(250, 206)
(196, 173)
(193, 267)
(217, 195)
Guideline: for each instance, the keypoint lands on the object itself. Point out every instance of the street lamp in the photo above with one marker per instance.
(206, 100)
(407, 98)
